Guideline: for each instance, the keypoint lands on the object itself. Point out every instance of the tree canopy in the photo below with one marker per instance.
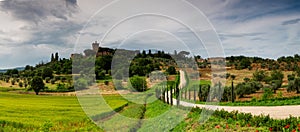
(37, 84)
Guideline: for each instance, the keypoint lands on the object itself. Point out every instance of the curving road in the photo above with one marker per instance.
(276, 112)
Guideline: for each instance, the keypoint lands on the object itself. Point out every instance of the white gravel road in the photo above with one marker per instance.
(276, 112)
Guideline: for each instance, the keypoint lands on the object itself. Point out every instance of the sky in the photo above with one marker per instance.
(31, 30)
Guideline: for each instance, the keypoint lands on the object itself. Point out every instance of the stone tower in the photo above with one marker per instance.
(95, 46)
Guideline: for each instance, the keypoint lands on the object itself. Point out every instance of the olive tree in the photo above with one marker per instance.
(294, 85)
(37, 84)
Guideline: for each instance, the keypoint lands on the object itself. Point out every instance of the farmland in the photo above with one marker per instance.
(23, 112)
(146, 101)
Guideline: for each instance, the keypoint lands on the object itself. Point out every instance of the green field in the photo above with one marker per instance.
(23, 112)
(20, 112)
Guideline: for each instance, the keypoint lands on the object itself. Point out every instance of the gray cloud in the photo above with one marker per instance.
(39, 10)
(240, 35)
(289, 22)
(252, 28)
(55, 33)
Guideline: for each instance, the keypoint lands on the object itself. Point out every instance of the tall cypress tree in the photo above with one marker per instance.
(56, 56)
(52, 57)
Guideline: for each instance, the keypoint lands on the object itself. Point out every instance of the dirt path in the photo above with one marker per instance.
(276, 112)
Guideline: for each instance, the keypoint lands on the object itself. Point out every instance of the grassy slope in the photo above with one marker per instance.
(21, 112)
(126, 120)
(30, 113)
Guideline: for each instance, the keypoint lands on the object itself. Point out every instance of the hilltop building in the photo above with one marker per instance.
(95, 46)
(103, 51)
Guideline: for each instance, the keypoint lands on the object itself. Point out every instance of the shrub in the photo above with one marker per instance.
(246, 79)
(106, 82)
(13, 82)
(47, 72)
(63, 79)
(291, 77)
(242, 89)
(275, 84)
(20, 84)
(61, 87)
(267, 94)
(138, 83)
(227, 94)
(52, 81)
(294, 85)
(171, 70)
(253, 99)
(101, 75)
(57, 78)
(279, 95)
(277, 75)
(47, 79)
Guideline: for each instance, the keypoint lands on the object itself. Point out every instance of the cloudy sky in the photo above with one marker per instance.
(31, 30)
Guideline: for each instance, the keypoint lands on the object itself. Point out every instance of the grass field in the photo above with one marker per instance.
(21, 112)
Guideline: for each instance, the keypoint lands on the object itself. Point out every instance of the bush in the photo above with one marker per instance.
(61, 87)
(106, 82)
(138, 83)
(277, 75)
(47, 79)
(253, 99)
(56, 78)
(227, 94)
(294, 85)
(280, 95)
(275, 84)
(13, 82)
(267, 94)
(63, 79)
(247, 88)
(101, 75)
(20, 84)
(52, 81)
(171, 70)
(47, 72)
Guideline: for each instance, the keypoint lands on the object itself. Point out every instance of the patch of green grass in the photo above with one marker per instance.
(268, 102)
(127, 120)
(21, 112)
(205, 82)
(155, 109)
(2, 89)
(221, 121)
(161, 117)
(107, 78)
